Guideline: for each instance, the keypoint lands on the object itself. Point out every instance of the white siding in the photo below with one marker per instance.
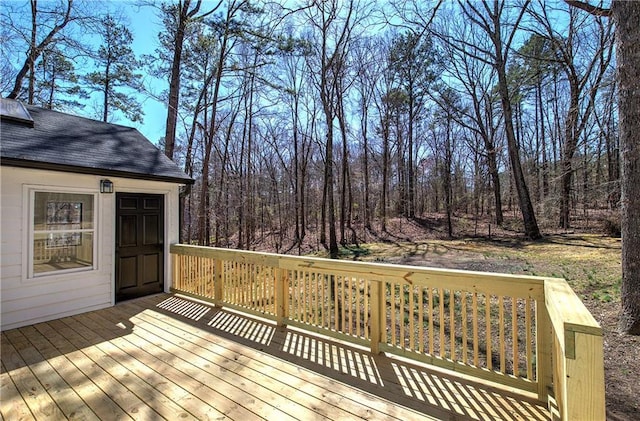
(25, 301)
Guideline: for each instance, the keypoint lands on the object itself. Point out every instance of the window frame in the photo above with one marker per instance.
(32, 232)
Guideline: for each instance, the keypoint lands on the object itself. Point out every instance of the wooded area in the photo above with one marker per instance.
(325, 119)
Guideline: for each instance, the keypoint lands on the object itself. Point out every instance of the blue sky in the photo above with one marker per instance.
(145, 25)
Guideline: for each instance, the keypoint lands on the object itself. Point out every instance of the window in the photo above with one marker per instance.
(63, 232)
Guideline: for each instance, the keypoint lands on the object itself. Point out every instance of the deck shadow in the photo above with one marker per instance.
(431, 391)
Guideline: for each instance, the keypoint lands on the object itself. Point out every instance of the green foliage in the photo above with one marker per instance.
(412, 59)
(115, 62)
(57, 87)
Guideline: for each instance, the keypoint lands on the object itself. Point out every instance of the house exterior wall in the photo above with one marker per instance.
(26, 300)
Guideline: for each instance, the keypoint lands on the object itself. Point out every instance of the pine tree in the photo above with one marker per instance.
(58, 85)
(115, 62)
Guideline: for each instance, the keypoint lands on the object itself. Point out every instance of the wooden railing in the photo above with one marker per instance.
(525, 332)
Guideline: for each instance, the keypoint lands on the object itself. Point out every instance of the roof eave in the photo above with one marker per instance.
(22, 163)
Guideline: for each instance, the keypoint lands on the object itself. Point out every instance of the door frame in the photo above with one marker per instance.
(166, 233)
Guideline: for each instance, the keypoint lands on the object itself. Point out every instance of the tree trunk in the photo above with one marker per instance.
(492, 159)
(446, 178)
(344, 214)
(524, 199)
(543, 144)
(365, 165)
(385, 174)
(411, 195)
(31, 57)
(204, 223)
(626, 15)
(107, 89)
(184, 15)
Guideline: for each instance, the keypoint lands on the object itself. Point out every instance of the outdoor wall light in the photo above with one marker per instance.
(106, 186)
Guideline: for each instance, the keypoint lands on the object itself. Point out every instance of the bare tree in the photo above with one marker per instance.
(185, 12)
(478, 79)
(334, 25)
(626, 16)
(584, 71)
(54, 19)
(489, 17)
(367, 75)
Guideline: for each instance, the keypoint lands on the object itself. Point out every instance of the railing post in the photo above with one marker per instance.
(175, 278)
(584, 376)
(281, 295)
(217, 282)
(544, 343)
(377, 315)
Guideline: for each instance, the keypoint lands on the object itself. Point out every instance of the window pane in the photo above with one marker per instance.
(62, 211)
(60, 251)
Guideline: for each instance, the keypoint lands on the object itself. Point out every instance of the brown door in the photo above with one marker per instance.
(139, 245)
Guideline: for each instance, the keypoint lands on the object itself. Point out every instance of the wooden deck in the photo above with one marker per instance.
(170, 357)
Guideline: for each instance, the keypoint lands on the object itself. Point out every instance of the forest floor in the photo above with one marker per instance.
(588, 260)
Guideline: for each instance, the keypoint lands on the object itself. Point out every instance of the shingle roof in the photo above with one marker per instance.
(60, 141)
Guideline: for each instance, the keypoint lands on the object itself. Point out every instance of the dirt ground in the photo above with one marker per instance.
(589, 260)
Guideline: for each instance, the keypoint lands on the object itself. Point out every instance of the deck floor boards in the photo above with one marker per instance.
(169, 357)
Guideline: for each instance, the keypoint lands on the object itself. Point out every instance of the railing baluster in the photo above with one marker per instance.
(232, 281)
(501, 332)
(349, 306)
(527, 322)
(247, 290)
(463, 311)
(474, 305)
(393, 314)
(314, 299)
(487, 309)
(401, 317)
(238, 276)
(334, 302)
(240, 288)
(357, 307)
(365, 310)
(266, 289)
(187, 272)
(299, 295)
(242, 283)
(280, 293)
(514, 335)
(343, 314)
(441, 313)
(205, 279)
(218, 287)
(322, 300)
(253, 290)
(377, 328)
(307, 301)
(420, 320)
(430, 315)
(452, 324)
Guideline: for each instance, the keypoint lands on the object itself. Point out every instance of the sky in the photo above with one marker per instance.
(145, 25)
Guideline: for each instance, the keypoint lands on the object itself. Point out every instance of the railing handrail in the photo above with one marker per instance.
(525, 285)
(567, 312)
(568, 339)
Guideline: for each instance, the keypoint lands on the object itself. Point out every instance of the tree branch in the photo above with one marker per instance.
(594, 10)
